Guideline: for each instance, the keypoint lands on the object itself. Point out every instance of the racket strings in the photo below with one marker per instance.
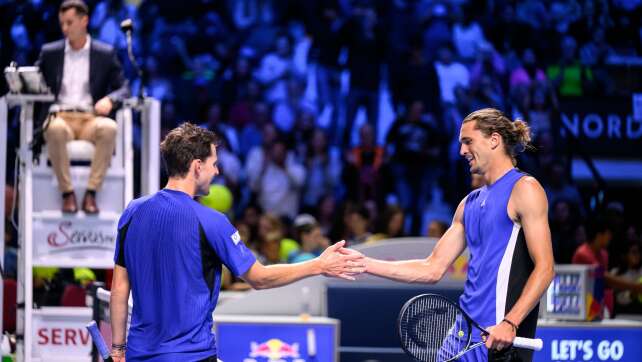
(432, 329)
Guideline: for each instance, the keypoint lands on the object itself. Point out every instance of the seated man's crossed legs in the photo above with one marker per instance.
(68, 126)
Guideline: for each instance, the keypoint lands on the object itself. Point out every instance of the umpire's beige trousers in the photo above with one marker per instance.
(68, 126)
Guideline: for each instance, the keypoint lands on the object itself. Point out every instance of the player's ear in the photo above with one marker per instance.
(495, 140)
(195, 167)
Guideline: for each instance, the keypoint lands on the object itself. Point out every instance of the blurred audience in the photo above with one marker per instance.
(284, 84)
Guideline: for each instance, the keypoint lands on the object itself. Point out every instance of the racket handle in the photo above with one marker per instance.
(534, 344)
(99, 342)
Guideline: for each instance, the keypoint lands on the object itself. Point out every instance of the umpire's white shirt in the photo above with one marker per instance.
(74, 91)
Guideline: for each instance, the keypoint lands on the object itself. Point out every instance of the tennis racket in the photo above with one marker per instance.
(99, 342)
(432, 328)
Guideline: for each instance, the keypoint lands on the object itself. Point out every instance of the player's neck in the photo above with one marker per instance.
(496, 171)
(181, 184)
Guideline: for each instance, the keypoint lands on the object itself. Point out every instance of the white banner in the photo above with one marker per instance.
(88, 241)
(60, 334)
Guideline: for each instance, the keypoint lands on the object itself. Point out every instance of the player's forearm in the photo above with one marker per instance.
(620, 283)
(535, 287)
(409, 271)
(281, 274)
(118, 310)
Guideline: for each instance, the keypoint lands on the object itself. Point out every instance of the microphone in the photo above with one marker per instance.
(127, 25)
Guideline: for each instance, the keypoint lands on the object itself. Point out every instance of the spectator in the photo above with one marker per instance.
(467, 33)
(451, 74)
(278, 180)
(559, 187)
(323, 170)
(564, 221)
(274, 70)
(510, 27)
(563, 13)
(416, 151)
(326, 213)
(362, 34)
(488, 93)
(236, 95)
(437, 29)
(245, 13)
(419, 81)
(436, 229)
(308, 233)
(403, 43)
(520, 103)
(106, 21)
(256, 154)
(629, 268)
(251, 216)
(542, 113)
(533, 13)
(569, 76)
(273, 246)
(23, 45)
(214, 122)
(528, 73)
(594, 55)
(357, 224)
(594, 252)
(325, 25)
(597, 50)
(285, 111)
(230, 169)
(301, 50)
(158, 86)
(390, 224)
(488, 64)
(248, 235)
(361, 174)
(616, 218)
(251, 131)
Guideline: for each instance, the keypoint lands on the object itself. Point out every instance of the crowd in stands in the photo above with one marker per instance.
(340, 118)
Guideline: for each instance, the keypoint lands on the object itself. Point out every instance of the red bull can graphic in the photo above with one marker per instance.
(274, 350)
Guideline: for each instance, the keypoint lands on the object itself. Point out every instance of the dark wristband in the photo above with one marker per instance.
(515, 326)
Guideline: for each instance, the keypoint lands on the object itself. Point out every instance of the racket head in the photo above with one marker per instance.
(432, 328)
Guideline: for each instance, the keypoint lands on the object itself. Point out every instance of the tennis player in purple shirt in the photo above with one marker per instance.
(169, 254)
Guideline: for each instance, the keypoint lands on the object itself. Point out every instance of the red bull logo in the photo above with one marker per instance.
(275, 350)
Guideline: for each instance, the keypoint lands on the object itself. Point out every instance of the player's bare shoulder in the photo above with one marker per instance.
(458, 217)
(528, 195)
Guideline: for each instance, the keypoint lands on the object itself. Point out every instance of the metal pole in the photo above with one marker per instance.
(3, 174)
(25, 253)
(27, 207)
(128, 154)
(150, 153)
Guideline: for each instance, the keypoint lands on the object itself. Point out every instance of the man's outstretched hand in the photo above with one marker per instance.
(336, 262)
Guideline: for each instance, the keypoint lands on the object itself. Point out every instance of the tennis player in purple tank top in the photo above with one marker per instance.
(504, 224)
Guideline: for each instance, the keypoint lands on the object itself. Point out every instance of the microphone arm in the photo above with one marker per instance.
(127, 26)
